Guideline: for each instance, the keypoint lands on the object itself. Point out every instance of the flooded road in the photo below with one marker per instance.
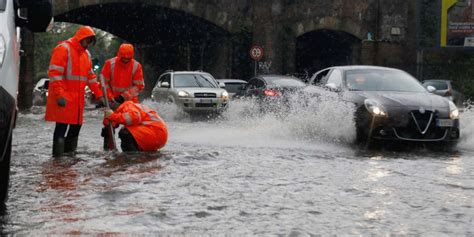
(240, 175)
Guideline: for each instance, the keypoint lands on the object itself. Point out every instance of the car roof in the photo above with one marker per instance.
(42, 80)
(353, 67)
(188, 72)
(276, 77)
(231, 80)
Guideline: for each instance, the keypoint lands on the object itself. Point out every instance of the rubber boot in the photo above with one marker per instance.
(103, 134)
(106, 143)
(71, 145)
(58, 147)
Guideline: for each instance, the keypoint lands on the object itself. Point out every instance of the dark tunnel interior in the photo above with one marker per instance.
(319, 49)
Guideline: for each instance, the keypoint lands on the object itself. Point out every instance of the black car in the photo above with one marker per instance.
(389, 104)
(272, 92)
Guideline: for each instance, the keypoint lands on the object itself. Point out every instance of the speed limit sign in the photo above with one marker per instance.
(256, 53)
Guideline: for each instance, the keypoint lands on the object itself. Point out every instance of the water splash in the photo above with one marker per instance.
(467, 128)
(244, 124)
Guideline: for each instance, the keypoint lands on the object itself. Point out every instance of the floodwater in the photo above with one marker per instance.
(239, 174)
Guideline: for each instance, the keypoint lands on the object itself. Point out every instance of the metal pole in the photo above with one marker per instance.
(255, 69)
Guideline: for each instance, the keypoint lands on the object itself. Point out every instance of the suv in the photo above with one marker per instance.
(39, 17)
(192, 91)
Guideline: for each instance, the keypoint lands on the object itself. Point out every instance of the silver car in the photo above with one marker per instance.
(447, 89)
(192, 91)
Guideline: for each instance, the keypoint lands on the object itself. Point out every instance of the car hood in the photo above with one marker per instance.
(399, 99)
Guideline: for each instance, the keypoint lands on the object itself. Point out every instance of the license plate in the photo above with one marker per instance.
(206, 101)
(444, 122)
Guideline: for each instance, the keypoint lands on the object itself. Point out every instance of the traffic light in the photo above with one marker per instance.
(95, 64)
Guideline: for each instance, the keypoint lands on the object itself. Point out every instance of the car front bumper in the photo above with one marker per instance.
(404, 128)
(202, 104)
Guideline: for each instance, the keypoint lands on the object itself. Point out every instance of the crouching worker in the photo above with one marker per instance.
(143, 129)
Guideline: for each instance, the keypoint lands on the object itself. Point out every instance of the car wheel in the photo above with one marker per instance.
(5, 173)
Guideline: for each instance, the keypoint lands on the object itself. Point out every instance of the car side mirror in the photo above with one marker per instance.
(431, 89)
(332, 87)
(221, 84)
(165, 84)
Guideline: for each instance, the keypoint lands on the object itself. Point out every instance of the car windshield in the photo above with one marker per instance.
(381, 80)
(194, 80)
(233, 87)
(439, 85)
(286, 82)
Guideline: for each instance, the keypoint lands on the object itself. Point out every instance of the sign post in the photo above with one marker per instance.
(256, 53)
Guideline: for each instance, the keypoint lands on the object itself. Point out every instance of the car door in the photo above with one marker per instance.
(161, 91)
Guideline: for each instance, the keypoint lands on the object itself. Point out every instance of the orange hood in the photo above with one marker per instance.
(84, 32)
(125, 51)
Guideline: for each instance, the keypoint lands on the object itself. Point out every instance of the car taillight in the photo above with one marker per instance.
(448, 93)
(271, 93)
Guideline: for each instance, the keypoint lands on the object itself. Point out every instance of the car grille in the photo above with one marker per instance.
(205, 105)
(421, 126)
(205, 95)
(422, 120)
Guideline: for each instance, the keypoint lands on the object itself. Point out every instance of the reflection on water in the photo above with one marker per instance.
(238, 174)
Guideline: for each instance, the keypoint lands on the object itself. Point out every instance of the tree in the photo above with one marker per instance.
(106, 46)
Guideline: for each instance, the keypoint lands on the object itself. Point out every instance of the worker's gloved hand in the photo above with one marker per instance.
(107, 113)
(119, 99)
(113, 105)
(61, 102)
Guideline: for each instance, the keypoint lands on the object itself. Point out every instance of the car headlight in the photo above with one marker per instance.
(225, 95)
(183, 94)
(453, 110)
(375, 108)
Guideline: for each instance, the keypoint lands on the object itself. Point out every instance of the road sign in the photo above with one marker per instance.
(256, 53)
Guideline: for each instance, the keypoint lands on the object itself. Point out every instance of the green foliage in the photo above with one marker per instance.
(106, 46)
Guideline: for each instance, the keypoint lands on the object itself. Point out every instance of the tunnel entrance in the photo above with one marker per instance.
(166, 39)
(319, 49)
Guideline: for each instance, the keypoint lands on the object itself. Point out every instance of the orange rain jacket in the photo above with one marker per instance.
(70, 70)
(125, 79)
(145, 125)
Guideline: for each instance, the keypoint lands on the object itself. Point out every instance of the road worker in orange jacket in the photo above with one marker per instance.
(143, 129)
(70, 70)
(123, 77)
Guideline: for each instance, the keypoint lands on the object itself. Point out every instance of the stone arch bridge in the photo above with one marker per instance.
(298, 36)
